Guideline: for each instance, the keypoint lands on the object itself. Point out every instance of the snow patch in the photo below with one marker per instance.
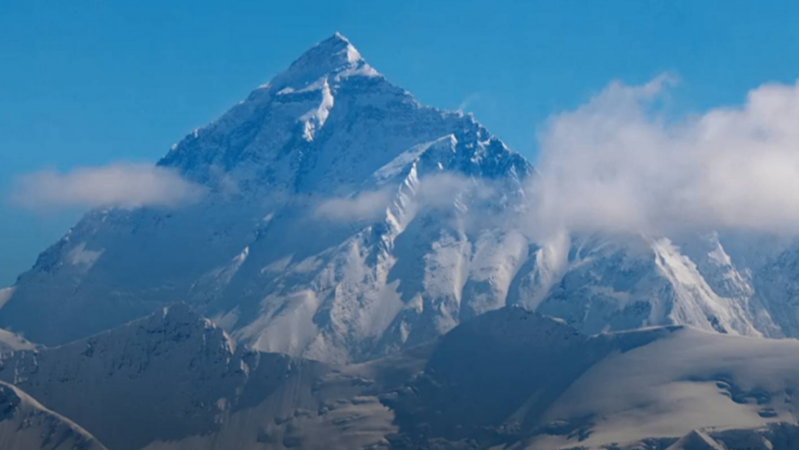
(315, 119)
(696, 303)
(5, 295)
(79, 256)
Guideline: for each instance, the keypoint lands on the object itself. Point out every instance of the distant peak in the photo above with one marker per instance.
(337, 36)
(337, 47)
(332, 57)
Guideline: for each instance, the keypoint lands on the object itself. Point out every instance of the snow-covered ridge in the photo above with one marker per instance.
(27, 425)
(174, 380)
(533, 382)
(130, 366)
(332, 58)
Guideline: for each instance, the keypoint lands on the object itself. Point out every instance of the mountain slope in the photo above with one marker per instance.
(536, 383)
(27, 425)
(176, 381)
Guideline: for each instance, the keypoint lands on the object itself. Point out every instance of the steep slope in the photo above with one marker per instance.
(118, 383)
(514, 379)
(27, 425)
(174, 380)
(616, 283)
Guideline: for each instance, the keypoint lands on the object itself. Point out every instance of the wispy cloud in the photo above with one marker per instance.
(468, 101)
(616, 164)
(436, 191)
(121, 185)
(367, 205)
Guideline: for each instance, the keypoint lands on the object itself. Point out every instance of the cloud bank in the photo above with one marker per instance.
(116, 185)
(616, 164)
(432, 192)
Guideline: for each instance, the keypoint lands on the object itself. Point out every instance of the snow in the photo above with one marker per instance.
(209, 393)
(131, 365)
(81, 256)
(5, 295)
(697, 304)
(372, 282)
(533, 381)
(27, 425)
(696, 440)
(662, 390)
(12, 342)
(539, 385)
(334, 289)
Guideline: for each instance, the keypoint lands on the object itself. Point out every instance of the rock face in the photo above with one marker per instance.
(27, 425)
(344, 221)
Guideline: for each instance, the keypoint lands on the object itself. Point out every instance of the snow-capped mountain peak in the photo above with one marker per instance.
(371, 239)
(333, 58)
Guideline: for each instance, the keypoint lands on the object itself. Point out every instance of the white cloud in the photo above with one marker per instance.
(468, 101)
(367, 205)
(120, 185)
(442, 190)
(616, 164)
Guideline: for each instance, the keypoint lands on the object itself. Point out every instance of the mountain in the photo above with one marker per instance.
(117, 382)
(176, 381)
(343, 221)
(27, 425)
(337, 225)
(514, 379)
(617, 284)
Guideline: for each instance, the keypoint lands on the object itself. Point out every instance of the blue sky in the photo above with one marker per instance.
(93, 82)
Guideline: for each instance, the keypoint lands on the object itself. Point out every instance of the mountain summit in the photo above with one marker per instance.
(335, 56)
(324, 125)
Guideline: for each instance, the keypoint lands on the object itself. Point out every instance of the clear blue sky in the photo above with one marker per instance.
(90, 82)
